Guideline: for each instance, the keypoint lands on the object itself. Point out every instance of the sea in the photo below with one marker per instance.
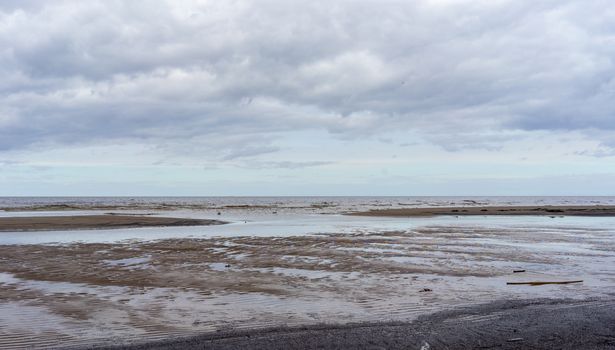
(330, 203)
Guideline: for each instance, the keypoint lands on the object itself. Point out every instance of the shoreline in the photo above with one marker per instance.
(518, 324)
(550, 210)
(93, 222)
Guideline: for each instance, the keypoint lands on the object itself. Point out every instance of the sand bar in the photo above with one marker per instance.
(589, 210)
(49, 223)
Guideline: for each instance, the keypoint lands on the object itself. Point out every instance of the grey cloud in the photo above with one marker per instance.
(286, 164)
(601, 153)
(249, 151)
(172, 73)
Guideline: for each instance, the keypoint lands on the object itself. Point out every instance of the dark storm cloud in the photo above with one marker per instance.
(454, 72)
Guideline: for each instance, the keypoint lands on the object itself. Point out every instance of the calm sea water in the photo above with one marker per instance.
(331, 204)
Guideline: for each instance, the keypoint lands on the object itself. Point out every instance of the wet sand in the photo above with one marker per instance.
(589, 210)
(522, 324)
(84, 294)
(47, 223)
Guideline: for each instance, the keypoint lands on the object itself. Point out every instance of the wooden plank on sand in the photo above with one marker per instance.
(540, 283)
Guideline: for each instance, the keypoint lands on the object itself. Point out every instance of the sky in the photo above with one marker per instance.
(283, 97)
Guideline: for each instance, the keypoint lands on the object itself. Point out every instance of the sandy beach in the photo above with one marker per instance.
(81, 222)
(555, 210)
(121, 293)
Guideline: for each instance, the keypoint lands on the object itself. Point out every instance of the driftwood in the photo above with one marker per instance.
(540, 283)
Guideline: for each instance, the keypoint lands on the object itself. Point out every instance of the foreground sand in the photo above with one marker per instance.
(44, 223)
(589, 210)
(522, 324)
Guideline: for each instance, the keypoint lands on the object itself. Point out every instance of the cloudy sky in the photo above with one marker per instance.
(278, 97)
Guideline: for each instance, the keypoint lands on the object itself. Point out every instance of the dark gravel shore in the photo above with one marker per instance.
(533, 324)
